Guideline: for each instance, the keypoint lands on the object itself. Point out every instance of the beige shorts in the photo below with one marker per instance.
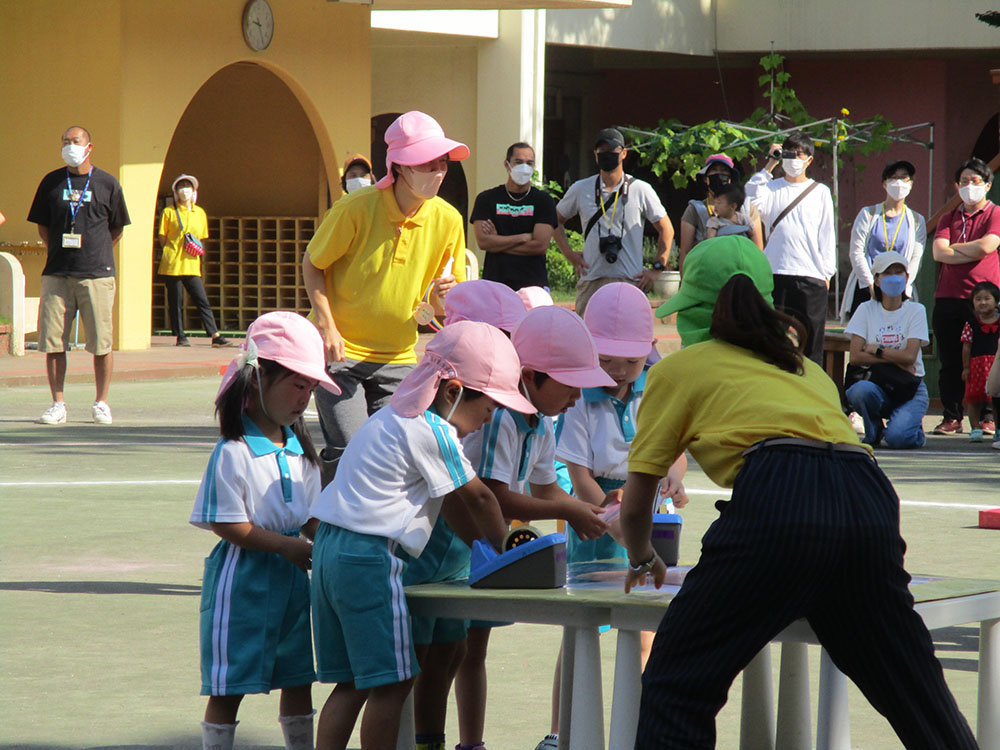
(585, 290)
(64, 296)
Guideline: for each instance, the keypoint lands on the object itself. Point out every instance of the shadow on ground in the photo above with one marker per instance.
(101, 587)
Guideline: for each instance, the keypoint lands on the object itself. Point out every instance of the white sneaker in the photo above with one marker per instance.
(857, 423)
(102, 413)
(55, 414)
(551, 742)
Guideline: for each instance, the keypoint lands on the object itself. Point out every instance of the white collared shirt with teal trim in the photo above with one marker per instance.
(509, 450)
(254, 480)
(597, 431)
(393, 477)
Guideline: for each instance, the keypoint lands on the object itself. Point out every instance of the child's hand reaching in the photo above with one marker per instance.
(586, 520)
(298, 552)
(672, 489)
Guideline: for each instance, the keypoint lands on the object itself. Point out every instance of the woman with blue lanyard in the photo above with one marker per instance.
(889, 225)
(811, 530)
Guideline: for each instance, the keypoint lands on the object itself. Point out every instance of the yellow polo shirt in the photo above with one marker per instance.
(378, 264)
(716, 400)
(176, 262)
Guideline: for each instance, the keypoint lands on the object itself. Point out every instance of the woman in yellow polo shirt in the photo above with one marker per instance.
(812, 529)
(181, 268)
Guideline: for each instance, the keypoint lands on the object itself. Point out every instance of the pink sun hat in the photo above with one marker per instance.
(620, 319)
(415, 138)
(534, 296)
(483, 301)
(556, 341)
(288, 339)
(478, 355)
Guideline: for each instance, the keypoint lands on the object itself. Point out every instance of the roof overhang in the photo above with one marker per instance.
(488, 4)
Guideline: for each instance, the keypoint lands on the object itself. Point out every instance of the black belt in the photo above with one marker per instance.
(805, 443)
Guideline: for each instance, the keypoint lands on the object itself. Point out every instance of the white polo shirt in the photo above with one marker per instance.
(257, 481)
(393, 476)
(509, 450)
(597, 431)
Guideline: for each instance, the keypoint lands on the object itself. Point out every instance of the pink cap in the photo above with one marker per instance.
(483, 301)
(620, 319)
(476, 354)
(717, 158)
(534, 296)
(288, 339)
(415, 138)
(556, 341)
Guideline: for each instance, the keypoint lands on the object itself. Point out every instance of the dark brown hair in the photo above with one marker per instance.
(231, 405)
(743, 318)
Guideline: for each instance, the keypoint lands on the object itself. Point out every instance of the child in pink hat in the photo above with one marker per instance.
(597, 430)
(261, 480)
(534, 296)
(485, 302)
(377, 515)
(514, 456)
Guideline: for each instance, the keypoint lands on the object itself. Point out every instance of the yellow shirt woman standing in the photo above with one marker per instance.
(181, 268)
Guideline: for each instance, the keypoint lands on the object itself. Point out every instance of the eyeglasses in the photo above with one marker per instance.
(971, 181)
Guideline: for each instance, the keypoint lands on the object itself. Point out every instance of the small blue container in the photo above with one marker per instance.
(666, 536)
(538, 564)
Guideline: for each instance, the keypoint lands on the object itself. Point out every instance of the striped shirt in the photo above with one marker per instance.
(393, 476)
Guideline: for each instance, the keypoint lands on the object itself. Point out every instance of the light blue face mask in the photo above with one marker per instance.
(892, 286)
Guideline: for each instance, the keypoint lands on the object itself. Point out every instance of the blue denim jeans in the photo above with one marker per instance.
(905, 426)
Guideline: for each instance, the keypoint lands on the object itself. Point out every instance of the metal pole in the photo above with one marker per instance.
(836, 216)
(930, 176)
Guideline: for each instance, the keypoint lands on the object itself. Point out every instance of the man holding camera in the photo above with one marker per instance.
(797, 215)
(612, 207)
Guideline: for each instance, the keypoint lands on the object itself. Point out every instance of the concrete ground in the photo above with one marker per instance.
(100, 572)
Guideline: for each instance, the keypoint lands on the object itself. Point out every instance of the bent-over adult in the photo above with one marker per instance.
(812, 529)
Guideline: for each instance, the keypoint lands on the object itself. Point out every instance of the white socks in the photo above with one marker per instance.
(298, 731)
(217, 736)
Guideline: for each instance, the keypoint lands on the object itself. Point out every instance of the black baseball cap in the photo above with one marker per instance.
(891, 167)
(612, 137)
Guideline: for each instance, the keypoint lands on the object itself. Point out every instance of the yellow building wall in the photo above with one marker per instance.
(130, 69)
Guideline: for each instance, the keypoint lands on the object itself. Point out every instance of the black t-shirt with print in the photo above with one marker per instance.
(101, 212)
(515, 216)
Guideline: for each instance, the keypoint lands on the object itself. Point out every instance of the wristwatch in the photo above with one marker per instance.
(879, 351)
(643, 568)
(658, 265)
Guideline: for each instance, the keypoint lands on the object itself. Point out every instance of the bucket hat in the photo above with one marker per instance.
(620, 320)
(484, 302)
(556, 341)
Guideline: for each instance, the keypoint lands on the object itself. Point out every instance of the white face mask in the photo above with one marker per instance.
(898, 189)
(793, 167)
(972, 194)
(74, 154)
(521, 173)
(356, 183)
(185, 194)
(424, 184)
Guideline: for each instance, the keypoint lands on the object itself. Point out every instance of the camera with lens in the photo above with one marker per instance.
(610, 247)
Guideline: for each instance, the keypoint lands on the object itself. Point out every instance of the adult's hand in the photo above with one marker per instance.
(441, 288)
(487, 227)
(659, 574)
(333, 343)
(580, 266)
(646, 278)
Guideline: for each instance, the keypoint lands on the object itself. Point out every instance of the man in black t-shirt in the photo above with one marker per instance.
(513, 223)
(80, 212)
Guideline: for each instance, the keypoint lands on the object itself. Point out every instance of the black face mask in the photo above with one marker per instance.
(717, 182)
(607, 161)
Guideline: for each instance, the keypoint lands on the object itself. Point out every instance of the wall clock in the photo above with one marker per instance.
(258, 24)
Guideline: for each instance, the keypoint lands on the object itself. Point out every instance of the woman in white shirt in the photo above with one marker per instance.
(889, 225)
(886, 336)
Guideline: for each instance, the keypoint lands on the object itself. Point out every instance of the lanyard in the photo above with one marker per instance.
(75, 207)
(885, 230)
(609, 223)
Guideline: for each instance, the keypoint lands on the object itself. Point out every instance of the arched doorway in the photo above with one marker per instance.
(248, 140)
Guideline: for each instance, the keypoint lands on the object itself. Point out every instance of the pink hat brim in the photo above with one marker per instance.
(511, 400)
(619, 348)
(591, 377)
(422, 152)
(305, 369)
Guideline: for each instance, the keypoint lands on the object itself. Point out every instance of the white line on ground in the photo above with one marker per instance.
(690, 491)
(129, 443)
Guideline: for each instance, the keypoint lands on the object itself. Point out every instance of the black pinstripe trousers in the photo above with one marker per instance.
(808, 533)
